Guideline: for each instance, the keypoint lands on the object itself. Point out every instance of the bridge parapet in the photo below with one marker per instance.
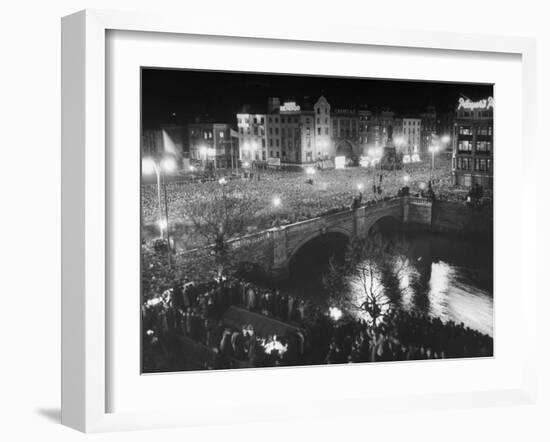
(275, 247)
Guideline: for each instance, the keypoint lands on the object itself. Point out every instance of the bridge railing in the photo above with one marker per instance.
(263, 235)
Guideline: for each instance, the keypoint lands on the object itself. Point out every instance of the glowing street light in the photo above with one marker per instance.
(310, 171)
(335, 313)
(276, 202)
(360, 187)
(406, 179)
(162, 223)
(150, 166)
(168, 164)
(446, 139)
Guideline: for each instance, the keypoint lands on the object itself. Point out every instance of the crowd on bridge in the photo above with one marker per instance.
(301, 197)
(195, 313)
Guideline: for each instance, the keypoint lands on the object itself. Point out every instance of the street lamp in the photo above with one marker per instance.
(276, 204)
(165, 165)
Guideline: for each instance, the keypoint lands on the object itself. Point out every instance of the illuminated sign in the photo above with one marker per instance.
(471, 105)
(340, 162)
(289, 106)
(364, 161)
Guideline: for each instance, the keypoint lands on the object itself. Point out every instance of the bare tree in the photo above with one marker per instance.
(360, 283)
(219, 218)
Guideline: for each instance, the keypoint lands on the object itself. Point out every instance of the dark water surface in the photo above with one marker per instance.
(444, 276)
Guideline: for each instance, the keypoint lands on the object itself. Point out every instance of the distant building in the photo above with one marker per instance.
(169, 139)
(298, 133)
(321, 136)
(410, 129)
(213, 143)
(473, 143)
(252, 137)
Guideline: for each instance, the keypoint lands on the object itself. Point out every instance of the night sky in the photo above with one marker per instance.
(218, 96)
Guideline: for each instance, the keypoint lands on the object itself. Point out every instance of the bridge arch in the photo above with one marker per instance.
(316, 249)
(384, 223)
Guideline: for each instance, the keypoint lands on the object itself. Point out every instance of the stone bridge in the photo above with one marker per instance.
(274, 249)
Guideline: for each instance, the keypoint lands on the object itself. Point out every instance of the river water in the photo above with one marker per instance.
(443, 276)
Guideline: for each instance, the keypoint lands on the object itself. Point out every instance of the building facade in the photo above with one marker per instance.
(213, 144)
(410, 129)
(298, 133)
(251, 129)
(473, 143)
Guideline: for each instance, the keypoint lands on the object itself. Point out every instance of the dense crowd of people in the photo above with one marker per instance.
(188, 311)
(187, 319)
(301, 197)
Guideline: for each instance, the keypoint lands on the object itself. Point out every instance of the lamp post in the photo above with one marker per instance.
(167, 164)
(276, 204)
(310, 171)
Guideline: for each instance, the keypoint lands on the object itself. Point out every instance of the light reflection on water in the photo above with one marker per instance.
(445, 277)
(451, 295)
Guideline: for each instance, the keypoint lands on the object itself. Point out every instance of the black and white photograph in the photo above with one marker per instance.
(301, 220)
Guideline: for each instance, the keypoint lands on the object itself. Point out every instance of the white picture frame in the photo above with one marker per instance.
(85, 201)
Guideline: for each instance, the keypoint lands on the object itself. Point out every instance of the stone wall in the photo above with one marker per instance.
(458, 218)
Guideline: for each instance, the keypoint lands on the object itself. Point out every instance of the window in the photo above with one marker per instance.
(481, 164)
(318, 131)
(263, 155)
(263, 142)
(277, 143)
(271, 143)
(262, 120)
(222, 134)
(486, 130)
(465, 146)
(318, 121)
(464, 163)
(308, 132)
(242, 130)
(318, 110)
(270, 131)
(255, 130)
(326, 130)
(465, 130)
(270, 119)
(277, 154)
(276, 131)
(483, 147)
(271, 153)
(282, 120)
